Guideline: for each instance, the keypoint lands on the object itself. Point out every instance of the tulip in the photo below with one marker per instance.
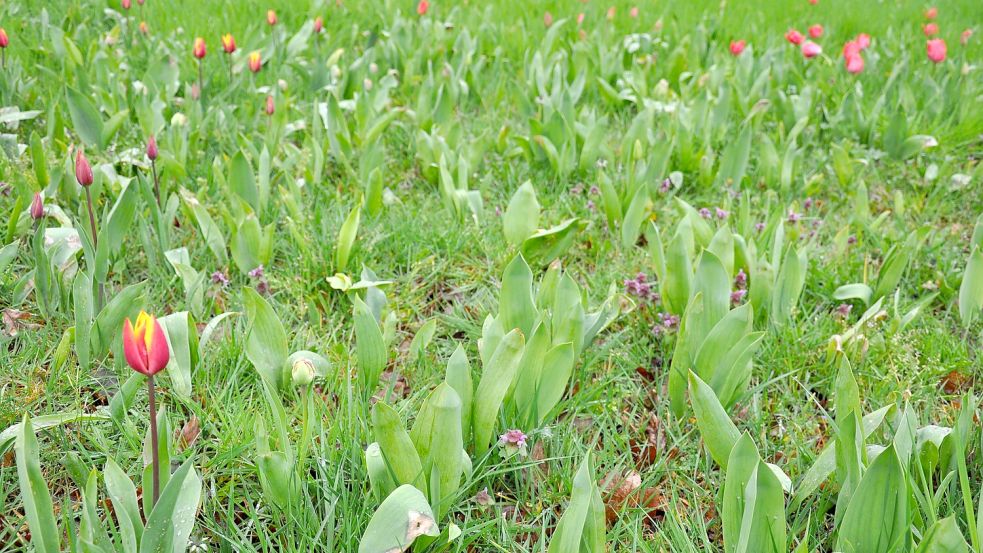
(851, 48)
(146, 351)
(228, 43)
(964, 37)
(611, 13)
(318, 24)
(83, 171)
(813, 2)
(930, 29)
(199, 49)
(863, 40)
(4, 41)
(816, 31)
(548, 19)
(931, 13)
(127, 4)
(83, 174)
(152, 156)
(737, 47)
(271, 17)
(143, 27)
(794, 37)
(854, 63)
(633, 13)
(580, 18)
(936, 50)
(140, 2)
(810, 49)
(422, 7)
(255, 62)
(269, 105)
(37, 206)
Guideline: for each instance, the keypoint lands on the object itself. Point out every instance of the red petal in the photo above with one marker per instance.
(136, 355)
(159, 354)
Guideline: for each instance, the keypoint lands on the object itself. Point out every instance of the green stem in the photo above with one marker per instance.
(153, 166)
(155, 452)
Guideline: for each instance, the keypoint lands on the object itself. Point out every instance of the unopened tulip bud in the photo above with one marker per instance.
(37, 206)
(83, 171)
(422, 7)
(255, 63)
(936, 50)
(143, 27)
(140, 2)
(127, 4)
(199, 48)
(318, 24)
(152, 148)
(271, 17)
(302, 372)
(269, 105)
(228, 43)
(4, 41)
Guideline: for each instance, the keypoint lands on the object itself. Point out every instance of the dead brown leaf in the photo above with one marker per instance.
(14, 321)
(188, 434)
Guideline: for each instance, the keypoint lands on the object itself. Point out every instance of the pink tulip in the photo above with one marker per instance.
(931, 13)
(737, 47)
(269, 105)
(548, 19)
(854, 63)
(851, 48)
(199, 48)
(4, 41)
(83, 171)
(810, 49)
(127, 4)
(863, 40)
(930, 29)
(813, 2)
(633, 13)
(580, 18)
(936, 50)
(152, 148)
(37, 206)
(964, 37)
(816, 31)
(794, 37)
(422, 7)
(271, 17)
(318, 25)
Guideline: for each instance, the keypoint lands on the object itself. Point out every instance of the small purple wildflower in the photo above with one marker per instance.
(722, 213)
(263, 287)
(807, 205)
(594, 190)
(577, 190)
(665, 186)
(705, 212)
(852, 239)
(737, 296)
(218, 277)
(667, 323)
(514, 437)
(740, 279)
(843, 310)
(759, 227)
(793, 217)
(590, 205)
(257, 272)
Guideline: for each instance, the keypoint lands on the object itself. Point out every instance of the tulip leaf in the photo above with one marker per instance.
(266, 340)
(38, 508)
(521, 217)
(718, 431)
(85, 118)
(170, 523)
(404, 516)
(369, 345)
(877, 518)
(496, 379)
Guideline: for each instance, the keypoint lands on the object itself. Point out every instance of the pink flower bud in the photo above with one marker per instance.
(422, 7)
(83, 171)
(318, 24)
(737, 47)
(794, 37)
(810, 49)
(936, 50)
(816, 31)
(37, 206)
(152, 148)
(269, 105)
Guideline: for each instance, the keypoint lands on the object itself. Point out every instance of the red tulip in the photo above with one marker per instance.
(851, 48)
(930, 29)
(145, 345)
(271, 17)
(83, 171)
(737, 47)
(816, 31)
(318, 24)
(199, 48)
(422, 7)
(931, 13)
(810, 49)
(964, 37)
(936, 50)
(813, 2)
(152, 148)
(127, 4)
(37, 206)
(255, 62)
(4, 41)
(228, 43)
(269, 105)
(854, 63)
(863, 40)
(794, 37)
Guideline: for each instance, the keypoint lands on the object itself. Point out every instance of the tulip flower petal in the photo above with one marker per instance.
(133, 349)
(158, 354)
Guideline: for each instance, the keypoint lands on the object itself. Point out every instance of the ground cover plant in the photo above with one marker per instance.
(567, 276)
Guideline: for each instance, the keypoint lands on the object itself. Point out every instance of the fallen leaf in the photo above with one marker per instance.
(15, 320)
(188, 434)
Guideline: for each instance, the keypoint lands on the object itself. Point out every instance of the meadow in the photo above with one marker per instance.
(485, 276)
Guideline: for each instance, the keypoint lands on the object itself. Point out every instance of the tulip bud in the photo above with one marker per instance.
(140, 2)
(152, 148)
(271, 17)
(4, 41)
(302, 373)
(199, 48)
(228, 43)
(318, 24)
(143, 27)
(816, 31)
(422, 7)
(127, 4)
(37, 206)
(83, 171)
(255, 63)
(145, 345)
(936, 50)
(810, 49)
(269, 105)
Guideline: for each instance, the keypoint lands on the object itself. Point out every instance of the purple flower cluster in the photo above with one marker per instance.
(640, 288)
(740, 287)
(514, 437)
(218, 277)
(263, 287)
(667, 323)
(720, 213)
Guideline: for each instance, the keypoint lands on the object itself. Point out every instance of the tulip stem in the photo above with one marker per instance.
(155, 452)
(3, 52)
(230, 69)
(95, 242)
(201, 81)
(153, 167)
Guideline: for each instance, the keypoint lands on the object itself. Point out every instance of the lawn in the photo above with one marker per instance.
(476, 276)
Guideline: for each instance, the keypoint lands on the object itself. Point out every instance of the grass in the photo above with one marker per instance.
(449, 268)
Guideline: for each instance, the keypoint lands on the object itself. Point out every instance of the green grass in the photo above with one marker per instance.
(449, 268)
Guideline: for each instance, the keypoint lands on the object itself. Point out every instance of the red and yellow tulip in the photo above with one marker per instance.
(228, 43)
(145, 345)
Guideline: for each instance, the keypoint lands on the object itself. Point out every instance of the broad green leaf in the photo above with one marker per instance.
(718, 431)
(346, 238)
(242, 181)
(856, 291)
(369, 346)
(397, 447)
(516, 308)
(545, 245)
(943, 537)
(85, 118)
(38, 508)
(459, 377)
(496, 378)
(403, 517)
(266, 340)
(581, 527)
(421, 339)
(123, 494)
(877, 518)
(182, 337)
(170, 523)
(521, 217)
(971, 289)
(741, 465)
